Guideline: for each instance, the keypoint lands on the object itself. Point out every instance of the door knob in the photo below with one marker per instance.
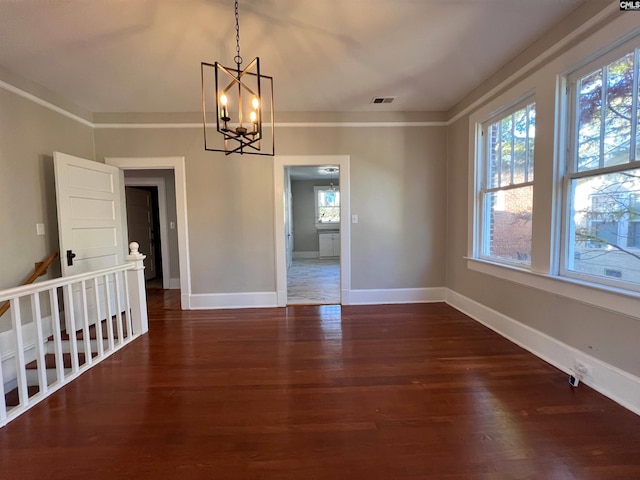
(70, 257)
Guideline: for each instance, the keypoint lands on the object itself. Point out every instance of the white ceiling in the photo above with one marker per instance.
(324, 55)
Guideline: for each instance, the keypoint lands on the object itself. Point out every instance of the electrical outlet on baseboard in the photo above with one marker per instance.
(582, 369)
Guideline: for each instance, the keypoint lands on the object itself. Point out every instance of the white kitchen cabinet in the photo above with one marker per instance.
(329, 244)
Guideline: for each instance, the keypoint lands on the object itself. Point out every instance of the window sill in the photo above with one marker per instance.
(615, 300)
(328, 226)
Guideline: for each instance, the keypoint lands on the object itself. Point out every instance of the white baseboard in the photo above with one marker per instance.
(396, 295)
(232, 300)
(174, 283)
(349, 297)
(306, 254)
(618, 385)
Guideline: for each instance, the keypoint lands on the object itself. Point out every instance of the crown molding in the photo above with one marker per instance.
(475, 104)
(43, 103)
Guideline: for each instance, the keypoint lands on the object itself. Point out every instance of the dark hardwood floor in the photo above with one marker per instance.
(361, 392)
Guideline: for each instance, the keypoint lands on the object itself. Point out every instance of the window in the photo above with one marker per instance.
(506, 186)
(327, 206)
(602, 185)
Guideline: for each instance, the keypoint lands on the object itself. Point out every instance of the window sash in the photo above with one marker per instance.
(326, 206)
(588, 216)
(487, 187)
(601, 65)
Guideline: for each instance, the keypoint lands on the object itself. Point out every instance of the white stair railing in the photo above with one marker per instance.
(47, 347)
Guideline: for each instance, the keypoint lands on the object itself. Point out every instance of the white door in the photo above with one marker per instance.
(90, 214)
(140, 226)
(91, 226)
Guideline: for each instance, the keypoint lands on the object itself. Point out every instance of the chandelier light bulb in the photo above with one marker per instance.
(253, 117)
(224, 113)
(256, 103)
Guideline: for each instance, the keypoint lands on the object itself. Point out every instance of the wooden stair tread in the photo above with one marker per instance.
(50, 360)
(92, 332)
(12, 399)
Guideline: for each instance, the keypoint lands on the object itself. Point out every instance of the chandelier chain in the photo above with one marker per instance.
(238, 58)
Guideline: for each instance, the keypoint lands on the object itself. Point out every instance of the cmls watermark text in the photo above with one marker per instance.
(630, 5)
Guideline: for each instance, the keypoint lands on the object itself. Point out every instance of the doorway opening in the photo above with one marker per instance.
(175, 245)
(327, 266)
(312, 227)
(143, 226)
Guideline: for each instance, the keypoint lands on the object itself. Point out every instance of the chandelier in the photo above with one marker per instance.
(243, 105)
(331, 171)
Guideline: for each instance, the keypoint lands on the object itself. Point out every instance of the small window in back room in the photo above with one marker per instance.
(327, 205)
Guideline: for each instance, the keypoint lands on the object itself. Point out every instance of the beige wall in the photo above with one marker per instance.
(29, 134)
(229, 202)
(397, 188)
(610, 337)
(305, 234)
(398, 193)
(596, 331)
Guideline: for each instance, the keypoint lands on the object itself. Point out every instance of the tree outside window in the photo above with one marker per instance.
(603, 239)
(327, 205)
(506, 193)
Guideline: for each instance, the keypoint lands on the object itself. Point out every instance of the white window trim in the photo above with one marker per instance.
(325, 225)
(567, 148)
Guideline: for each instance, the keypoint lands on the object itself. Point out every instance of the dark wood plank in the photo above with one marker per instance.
(366, 392)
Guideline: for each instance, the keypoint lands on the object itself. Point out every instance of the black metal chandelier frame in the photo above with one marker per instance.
(242, 136)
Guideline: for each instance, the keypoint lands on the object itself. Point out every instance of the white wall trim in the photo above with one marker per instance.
(159, 183)
(306, 254)
(177, 164)
(397, 295)
(232, 300)
(43, 103)
(280, 124)
(618, 385)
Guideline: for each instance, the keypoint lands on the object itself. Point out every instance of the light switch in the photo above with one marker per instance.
(354, 218)
(172, 225)
(40, 228)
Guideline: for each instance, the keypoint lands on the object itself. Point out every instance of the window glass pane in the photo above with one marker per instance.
(327, 198)
(329, 214)
(531, 136)
(519, 146)
(590, 120)
(328, 206)
(637, 113)
(619, 95)
(506, 148)
(510, 149)
(604, 239)
(508, 224)
(493, 167)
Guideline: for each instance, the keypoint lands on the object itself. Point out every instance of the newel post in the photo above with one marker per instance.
(137, 292)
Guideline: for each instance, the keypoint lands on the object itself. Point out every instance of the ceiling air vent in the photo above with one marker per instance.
(383, 99)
